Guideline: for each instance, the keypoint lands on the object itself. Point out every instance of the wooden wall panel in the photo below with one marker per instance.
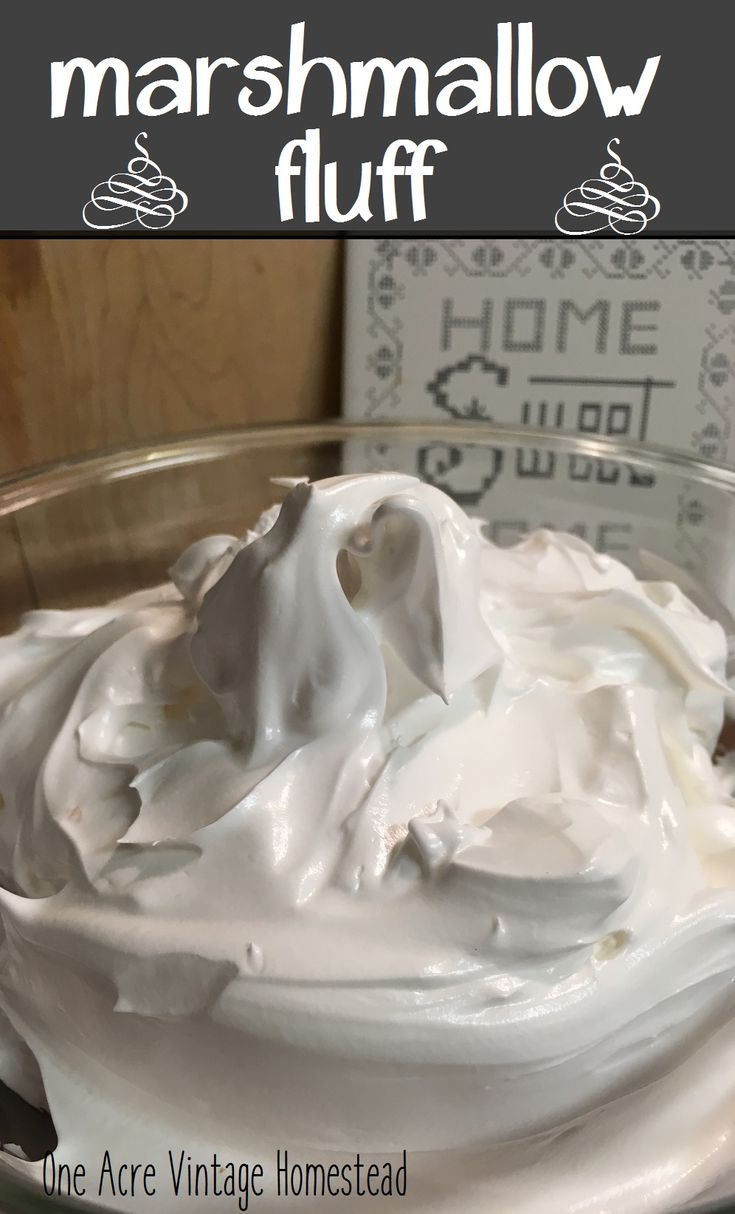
(107, 341)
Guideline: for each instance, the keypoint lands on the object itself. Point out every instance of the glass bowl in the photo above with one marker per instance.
(93, 528)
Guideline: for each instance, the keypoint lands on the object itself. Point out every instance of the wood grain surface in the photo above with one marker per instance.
(107, 341)
(104, 342)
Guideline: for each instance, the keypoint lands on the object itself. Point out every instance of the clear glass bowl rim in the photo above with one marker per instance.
(39, 483)
(28, 486)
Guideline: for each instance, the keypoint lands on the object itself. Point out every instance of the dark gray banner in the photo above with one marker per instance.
(173, 117)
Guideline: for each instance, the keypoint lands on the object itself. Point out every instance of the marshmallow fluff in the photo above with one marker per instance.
(364, 834)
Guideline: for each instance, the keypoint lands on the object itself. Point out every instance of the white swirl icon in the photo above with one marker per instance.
(142, 194)
(614, 202)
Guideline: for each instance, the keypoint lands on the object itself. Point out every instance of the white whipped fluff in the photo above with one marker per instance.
(363, 834)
